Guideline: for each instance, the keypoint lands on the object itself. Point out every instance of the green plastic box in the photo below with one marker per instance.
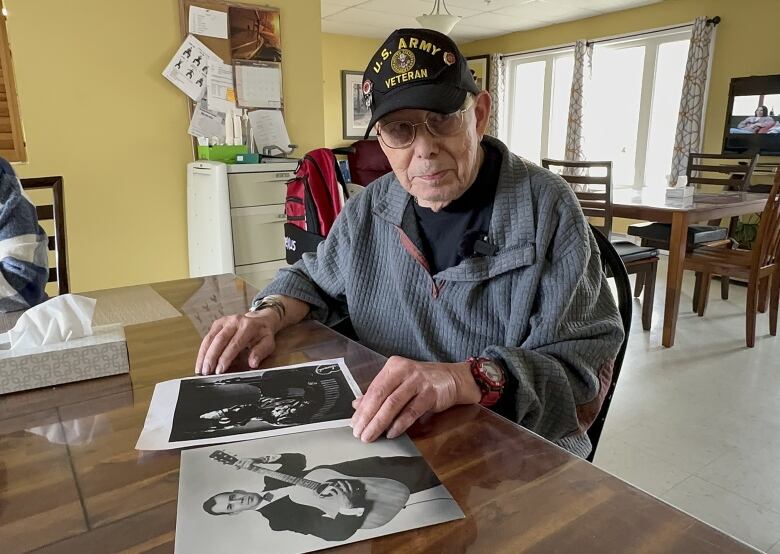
(224, 153)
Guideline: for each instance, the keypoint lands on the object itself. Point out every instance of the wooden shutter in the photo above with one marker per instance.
(11, 138)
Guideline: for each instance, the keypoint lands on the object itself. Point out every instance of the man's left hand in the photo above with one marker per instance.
(343, 489)
(405, 390)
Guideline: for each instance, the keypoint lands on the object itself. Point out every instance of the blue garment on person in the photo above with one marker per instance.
(24, 264)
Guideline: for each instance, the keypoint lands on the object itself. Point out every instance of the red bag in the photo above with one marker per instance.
(314, 199)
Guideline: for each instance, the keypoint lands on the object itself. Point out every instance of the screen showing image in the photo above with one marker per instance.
(755, 114)
(752, 123)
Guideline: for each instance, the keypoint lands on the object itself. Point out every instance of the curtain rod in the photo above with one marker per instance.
(538, 50)
(711, 21)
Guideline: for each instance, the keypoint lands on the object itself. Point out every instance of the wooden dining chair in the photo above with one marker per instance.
(55, 212)
(596, 202)
(733, 172)
(613, 266)
(759, 266)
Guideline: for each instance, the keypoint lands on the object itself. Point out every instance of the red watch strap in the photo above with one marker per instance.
(491, 392)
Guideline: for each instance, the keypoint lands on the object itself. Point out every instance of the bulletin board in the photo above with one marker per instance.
(221, 46)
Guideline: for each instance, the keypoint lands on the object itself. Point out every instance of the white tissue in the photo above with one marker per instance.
(61, 319)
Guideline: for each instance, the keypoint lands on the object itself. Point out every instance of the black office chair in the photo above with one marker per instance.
(613, 267)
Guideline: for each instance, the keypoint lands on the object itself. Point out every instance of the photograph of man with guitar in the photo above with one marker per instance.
(328, 501)
(229, 405)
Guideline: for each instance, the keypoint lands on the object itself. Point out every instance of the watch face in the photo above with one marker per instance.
(492, 372)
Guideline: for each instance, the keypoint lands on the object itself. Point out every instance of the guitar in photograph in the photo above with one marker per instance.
(376, 500)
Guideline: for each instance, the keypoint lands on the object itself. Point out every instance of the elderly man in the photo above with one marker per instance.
(474, 270)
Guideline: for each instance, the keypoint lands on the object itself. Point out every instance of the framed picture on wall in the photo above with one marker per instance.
(480, 70)
(255, 34)
(355, 115)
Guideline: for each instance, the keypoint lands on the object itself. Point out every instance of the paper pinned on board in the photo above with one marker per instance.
(269, 129)
(220, 92)
(258, 84)
(210, 23)
(189, 66)
(206, 123)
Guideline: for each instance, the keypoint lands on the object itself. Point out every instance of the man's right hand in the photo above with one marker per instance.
(231, 334)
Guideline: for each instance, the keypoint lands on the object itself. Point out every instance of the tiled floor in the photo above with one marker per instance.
(698, 425)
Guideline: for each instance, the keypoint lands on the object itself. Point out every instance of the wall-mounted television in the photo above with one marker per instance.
(753, 116)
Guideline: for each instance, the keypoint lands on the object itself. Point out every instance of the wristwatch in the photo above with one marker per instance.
(271, 302)
(490, 377)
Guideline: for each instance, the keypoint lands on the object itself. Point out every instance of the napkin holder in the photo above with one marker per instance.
(101, 354)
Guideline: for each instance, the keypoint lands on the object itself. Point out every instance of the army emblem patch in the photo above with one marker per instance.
(402, 61)
(449, 58)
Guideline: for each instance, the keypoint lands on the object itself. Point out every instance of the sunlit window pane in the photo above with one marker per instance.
(527, 113)
(612, 110)
(626, 105)
(563, 69)
(667, 90)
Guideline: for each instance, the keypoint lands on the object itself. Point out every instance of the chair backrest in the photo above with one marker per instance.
(613, 266)
(367, 162)
(731, 171)
(53, 212)
(593, 191)
(766, 248)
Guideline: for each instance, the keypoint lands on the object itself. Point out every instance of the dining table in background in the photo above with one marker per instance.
(652, 205)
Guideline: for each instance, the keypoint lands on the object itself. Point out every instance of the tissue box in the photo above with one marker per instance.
(102, 354)
(679, 192)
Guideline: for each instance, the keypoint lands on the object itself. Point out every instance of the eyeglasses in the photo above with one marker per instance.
(401, 134)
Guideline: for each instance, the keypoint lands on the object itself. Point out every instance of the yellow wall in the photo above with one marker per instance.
(341, 52)
(96, 110)
(742, 48)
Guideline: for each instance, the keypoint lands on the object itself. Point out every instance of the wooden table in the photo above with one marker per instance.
(652, 205)
(70, 480)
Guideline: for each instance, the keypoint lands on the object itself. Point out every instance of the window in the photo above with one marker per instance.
(538, 88)
(631, 105)
(12, 146)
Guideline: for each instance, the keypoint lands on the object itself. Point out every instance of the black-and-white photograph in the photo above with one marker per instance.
(238, 406)
(305, 492)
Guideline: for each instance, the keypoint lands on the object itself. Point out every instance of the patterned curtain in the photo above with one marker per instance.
(688, 136)
(497, 91)
(583, 54)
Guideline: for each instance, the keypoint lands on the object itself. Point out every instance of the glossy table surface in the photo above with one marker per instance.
(656, 199)
(71, 481)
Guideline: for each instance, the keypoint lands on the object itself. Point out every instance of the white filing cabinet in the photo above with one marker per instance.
(255, 200)
(257, 193)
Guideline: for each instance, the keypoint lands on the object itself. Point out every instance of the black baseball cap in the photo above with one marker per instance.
(416, 69)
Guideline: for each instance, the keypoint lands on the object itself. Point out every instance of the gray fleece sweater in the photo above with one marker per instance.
(541, 306)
